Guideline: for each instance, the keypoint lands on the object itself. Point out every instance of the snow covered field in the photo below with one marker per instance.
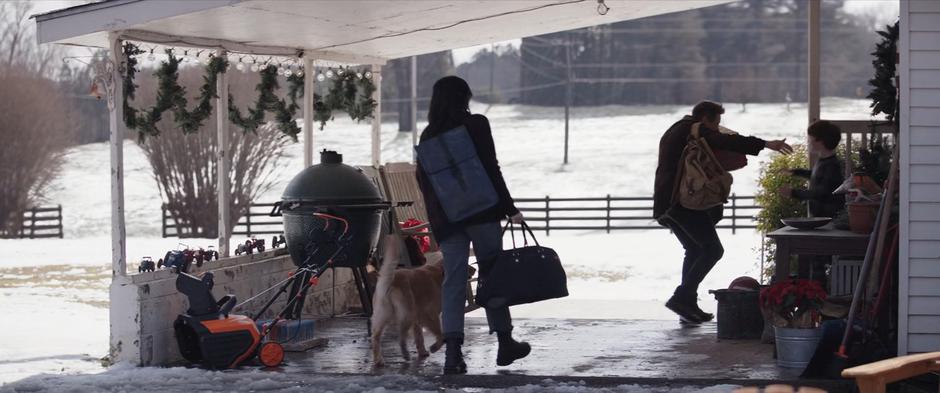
(53, 293)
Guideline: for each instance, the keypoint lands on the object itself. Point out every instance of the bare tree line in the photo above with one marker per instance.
(35, 121)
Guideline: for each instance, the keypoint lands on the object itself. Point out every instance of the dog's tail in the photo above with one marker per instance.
(389, 262)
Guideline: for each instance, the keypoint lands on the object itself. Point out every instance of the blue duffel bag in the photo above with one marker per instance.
(456, 174)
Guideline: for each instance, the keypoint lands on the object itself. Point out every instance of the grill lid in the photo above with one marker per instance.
(330, 183)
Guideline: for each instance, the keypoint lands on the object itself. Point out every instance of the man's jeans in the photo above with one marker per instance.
(695, 229)
(487, 243)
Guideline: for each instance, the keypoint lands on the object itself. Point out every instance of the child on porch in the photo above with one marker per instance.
(826, 175)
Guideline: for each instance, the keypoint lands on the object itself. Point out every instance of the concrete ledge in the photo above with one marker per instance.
(144, 306)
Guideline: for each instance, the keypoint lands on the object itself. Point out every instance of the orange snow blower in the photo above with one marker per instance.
(209, 335)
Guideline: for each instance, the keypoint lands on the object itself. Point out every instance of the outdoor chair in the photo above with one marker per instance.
(399, 184)
(872, 377)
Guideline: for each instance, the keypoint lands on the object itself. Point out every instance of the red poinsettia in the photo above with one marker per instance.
(794, 303)
(424, 242)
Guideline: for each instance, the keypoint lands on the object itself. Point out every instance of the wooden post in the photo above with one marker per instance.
(163, 220)
(224, 164)
(812, 58)
(377, 116)
(414, 107)
(32, 223)
(61, 230)
(608, 213)
(848, 154)
(567, 91)
(547, 215)
(309, 77)
(734, 213)
(116, 124)
(248, 223)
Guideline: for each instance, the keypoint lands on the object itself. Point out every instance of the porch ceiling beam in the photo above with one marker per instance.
(260, 50)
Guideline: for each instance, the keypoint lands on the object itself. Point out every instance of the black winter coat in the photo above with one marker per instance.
(673, 143)
(479, 129)
(825, 178)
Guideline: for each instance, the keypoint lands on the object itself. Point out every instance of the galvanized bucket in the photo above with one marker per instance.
(795, 347)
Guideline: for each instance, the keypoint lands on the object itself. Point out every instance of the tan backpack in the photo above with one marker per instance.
(701, 182)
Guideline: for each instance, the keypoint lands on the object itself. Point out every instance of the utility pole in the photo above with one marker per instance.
(414, 107)
(567, 91)
(492, 68)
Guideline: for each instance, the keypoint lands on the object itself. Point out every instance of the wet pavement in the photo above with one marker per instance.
(601, 352)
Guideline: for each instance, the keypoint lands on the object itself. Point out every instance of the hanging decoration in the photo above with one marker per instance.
(351, 91)
(170, 95)
(268, 102)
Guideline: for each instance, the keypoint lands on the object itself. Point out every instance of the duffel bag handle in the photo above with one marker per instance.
(525, 228)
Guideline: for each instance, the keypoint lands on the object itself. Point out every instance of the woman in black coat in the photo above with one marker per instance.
(450, 108)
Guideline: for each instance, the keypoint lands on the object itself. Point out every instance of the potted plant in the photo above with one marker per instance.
(792, 307)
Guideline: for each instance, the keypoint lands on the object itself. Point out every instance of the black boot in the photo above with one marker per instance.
(453, 357)
(510, 350)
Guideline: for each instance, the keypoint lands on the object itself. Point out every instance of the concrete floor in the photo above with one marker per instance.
(603, 352)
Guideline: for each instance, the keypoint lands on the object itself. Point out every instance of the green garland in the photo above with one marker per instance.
(170, 95)
(350, 92)
(268, 102)
(884, 96)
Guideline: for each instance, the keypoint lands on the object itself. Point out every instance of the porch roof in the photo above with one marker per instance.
(367, 31)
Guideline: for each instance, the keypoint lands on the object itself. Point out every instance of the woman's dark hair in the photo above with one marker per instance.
(826, 132)
(707, 110)
(450, 105)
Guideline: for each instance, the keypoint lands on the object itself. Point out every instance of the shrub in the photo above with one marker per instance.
(35, 130)
(773, 176)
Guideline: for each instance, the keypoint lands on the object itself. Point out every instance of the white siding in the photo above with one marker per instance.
(920, 177)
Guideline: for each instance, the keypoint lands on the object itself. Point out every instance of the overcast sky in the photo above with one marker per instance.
(886, 11)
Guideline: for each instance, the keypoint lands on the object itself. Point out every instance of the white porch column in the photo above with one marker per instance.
(116, 123)
(812, 57)
(377, 116)
(414, 107)
(309, 76)
(224, 164)
(123, 315)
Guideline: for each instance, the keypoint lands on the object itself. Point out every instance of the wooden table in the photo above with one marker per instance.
(822, 241)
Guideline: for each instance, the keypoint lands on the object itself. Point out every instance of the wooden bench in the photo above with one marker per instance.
(872, 377)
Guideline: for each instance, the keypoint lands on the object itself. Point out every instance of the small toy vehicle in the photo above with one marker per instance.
(250, 246)
(146, 265)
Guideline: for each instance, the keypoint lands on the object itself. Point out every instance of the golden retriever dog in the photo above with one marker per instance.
(409, 299)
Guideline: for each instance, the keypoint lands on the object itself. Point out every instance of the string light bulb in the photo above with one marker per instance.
(340, 71)
(359, 75)
(254, 66)
(300, 71)
(329, 73)
(368, 75)
(602, 7)
(151, 56)
(240, 66)
(320, 77)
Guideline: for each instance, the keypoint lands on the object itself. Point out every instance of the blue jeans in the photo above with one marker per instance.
(487, 243)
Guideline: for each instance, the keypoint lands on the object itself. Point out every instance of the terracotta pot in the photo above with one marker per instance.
(862, 216)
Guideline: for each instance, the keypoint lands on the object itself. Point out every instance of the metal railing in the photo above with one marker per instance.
(547, 214)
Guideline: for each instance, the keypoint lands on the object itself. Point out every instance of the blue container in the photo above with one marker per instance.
(289, 330)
